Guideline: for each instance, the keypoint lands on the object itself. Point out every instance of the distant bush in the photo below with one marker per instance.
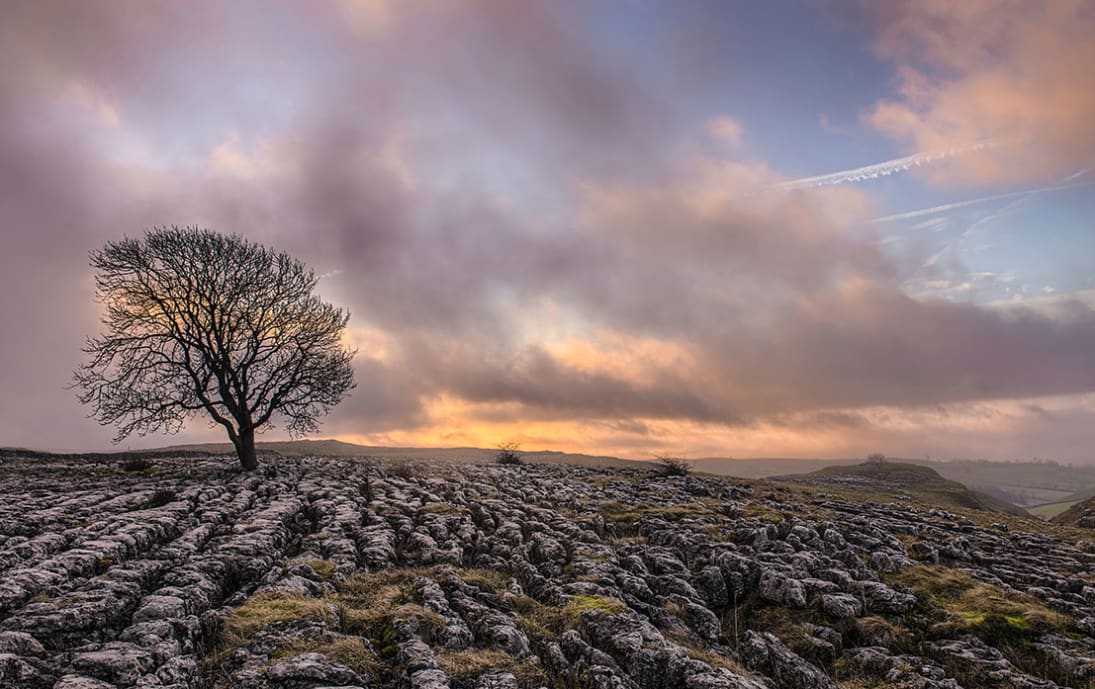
(673, 466)
(136, 464)
(508, 453)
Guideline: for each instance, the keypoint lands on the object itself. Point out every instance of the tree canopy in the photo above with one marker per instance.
(199, 323)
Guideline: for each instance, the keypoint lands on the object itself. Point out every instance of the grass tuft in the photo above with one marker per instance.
(267, 610)
(349, 651)
(462, 666)
(541, 621)
(324, 568)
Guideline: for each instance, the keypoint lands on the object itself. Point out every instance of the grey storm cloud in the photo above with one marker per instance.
(778, 309)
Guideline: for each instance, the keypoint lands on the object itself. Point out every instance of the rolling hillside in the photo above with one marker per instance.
(902, 479)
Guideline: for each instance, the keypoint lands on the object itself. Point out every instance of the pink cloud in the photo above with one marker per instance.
(1018, 72)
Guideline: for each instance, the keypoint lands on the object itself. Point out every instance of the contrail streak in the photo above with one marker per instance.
(882, 169)
(973, 202)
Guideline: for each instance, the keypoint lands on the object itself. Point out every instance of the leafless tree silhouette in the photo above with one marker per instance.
(201, 323)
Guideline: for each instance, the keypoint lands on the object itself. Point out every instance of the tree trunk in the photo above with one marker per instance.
(245, 448)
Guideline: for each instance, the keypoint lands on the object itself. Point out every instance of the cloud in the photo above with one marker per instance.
(725, 129)
(1013, 70)
(480, 185)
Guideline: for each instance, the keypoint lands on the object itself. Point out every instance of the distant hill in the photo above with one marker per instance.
(903, 478)
(1048, 487)
(472, 455)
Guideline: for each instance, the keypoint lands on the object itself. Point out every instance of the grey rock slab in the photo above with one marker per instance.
(766, 654)
(308, 669)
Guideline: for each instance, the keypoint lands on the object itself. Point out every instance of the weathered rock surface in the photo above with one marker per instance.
(340, 573)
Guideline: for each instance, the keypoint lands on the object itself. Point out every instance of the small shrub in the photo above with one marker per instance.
(508, 453)
(673, 466)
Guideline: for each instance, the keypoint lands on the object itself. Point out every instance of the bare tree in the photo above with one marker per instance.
(199, 323)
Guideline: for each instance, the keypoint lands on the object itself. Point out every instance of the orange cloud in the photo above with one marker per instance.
(1017, 73)
(634, 359)
(1005, 429)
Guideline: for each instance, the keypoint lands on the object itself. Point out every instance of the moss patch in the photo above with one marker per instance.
(959, 604)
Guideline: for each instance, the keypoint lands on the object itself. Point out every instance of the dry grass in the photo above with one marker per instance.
(369, 616)
(267, 610)
(878, 631)
(548, 622)
(473, 662)
(620, 513)
(364, 606)
(785, 623)
(764, 513)
(349, 651)
(468, 664)
(489, 580)
(324, 568)
(697, 651)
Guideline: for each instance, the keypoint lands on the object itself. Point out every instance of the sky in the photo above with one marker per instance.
(813, 228)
